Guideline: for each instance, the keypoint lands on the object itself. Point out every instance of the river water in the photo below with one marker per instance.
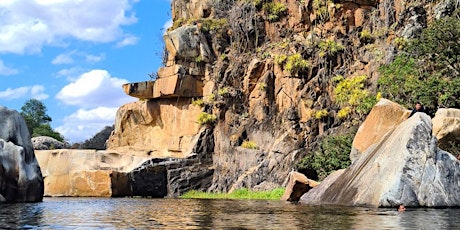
(138, 213)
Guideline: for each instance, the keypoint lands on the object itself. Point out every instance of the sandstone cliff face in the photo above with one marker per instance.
(267, 76)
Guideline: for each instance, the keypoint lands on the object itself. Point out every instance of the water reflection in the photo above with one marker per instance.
(129, 213)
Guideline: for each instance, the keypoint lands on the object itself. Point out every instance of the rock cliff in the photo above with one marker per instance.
(20, 176)
(268, 80)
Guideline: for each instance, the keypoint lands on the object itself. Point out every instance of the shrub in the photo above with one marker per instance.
(351, 92)
(262, 86)
(333, 154)
(343, 113)
(198, 102)
(329, 47)
(249, 145)
(321, 114)
(280, 59)
(274, 10)
(365, 35)
(206, 118)
(223, 91)
(320, 8)
(296, 63)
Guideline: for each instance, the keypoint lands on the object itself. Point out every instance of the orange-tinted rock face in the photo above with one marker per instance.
(446, 128)
(163, 128)
(384, 117)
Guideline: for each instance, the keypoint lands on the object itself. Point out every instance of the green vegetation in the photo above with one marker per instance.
(38, 122)
(262, 86)
(320, 8)
(329, 47)
(351, 92)
(274, 10)
(295, 63)
(344, 112)
(198, 102)
(237, 194)
(222, 91)
(427, 69)
(333, 154)
(206, 24)
(249, 145)
(280, 59)
(321, 114)
(365, 35)
(206, 118)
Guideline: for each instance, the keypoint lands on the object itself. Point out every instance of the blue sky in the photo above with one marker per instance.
(75, 55)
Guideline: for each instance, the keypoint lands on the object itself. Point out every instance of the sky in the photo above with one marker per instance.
(74, 56)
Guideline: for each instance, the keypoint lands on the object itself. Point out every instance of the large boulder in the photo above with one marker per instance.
(384, 117)
(47, 143)
(20, 176)
(297, 185)
(187, 43)
(446, 128)
(405, 166)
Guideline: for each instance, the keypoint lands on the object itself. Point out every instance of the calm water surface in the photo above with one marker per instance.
(136, 213)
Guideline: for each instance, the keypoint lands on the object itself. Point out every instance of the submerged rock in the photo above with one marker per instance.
(20, 176)
(405, 166)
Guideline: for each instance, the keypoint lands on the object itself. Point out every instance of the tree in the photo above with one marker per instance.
(34, 113)
(427, 69)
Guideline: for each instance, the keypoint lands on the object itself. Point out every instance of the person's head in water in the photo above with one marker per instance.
(418, 106)
(401, 208)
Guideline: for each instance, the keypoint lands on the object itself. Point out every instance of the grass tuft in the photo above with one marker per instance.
(238, 194)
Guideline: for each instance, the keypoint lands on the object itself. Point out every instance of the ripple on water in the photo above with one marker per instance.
(133, 213)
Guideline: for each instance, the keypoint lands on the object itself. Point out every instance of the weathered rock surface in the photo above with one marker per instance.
(405, 166)
(109, 174)
(187, 43)
(384, 117)
(20, 176)
(297, 185)
(446, 128)
(47, 143)
(162, 128)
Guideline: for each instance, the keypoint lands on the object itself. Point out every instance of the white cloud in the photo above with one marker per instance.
(71, 73)
(28, 25)
(36, 92)
(127, 41)
(94, 58)
(68, 57)
(94, 89)
(5, 70)
(65, 58)
(84, 124)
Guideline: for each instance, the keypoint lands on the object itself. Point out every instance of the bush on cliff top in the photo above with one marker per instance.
(333, 154)
(427, 69)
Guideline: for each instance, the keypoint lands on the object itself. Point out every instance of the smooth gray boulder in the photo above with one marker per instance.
(405, 167)
(20, 176)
